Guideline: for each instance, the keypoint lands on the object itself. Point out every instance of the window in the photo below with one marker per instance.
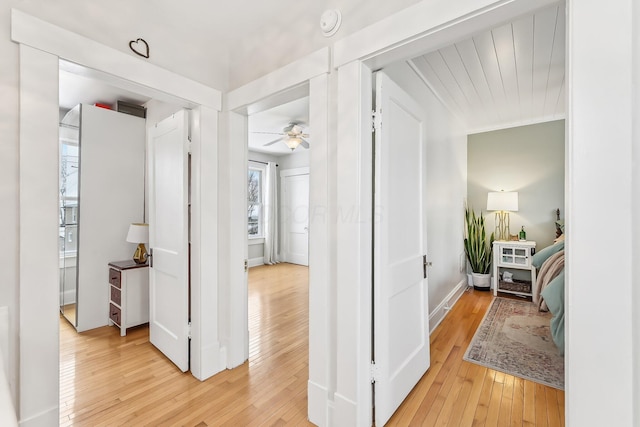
(255, 195)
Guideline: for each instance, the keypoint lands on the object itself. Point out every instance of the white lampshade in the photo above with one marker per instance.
(138, 233)
(502, 201)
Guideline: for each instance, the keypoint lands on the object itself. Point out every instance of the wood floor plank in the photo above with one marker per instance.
(108, 380)
(518, 402)
(493, 410)
(529, 411)
(482, 410)
(553, 411)
(476, 377)
(506, 404)
(542, 418)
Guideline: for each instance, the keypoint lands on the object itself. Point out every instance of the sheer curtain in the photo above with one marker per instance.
(271, 216)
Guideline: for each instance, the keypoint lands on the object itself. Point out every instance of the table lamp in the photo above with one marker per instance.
(502, 202)
(139, 233)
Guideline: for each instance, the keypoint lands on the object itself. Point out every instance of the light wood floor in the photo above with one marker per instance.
(108, 380)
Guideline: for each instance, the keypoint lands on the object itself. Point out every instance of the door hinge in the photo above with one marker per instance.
(189, 330)
(373, 373)
(246, 265)
(425, 264)
(189, 146)
(376, 120)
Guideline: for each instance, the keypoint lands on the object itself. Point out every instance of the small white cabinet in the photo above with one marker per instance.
(510, 255)
(128, 294)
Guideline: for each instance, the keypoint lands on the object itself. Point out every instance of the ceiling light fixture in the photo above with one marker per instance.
(293, 142)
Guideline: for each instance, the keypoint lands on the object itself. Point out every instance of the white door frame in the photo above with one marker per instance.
(304, 76)
(41, 46)
(284, 226)
(410, 32)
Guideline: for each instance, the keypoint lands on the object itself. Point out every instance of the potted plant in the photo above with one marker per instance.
(478, 249)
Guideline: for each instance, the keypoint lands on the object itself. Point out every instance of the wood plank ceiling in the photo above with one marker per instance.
(507, 76)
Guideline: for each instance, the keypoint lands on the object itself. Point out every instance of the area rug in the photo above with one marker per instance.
(514, 338)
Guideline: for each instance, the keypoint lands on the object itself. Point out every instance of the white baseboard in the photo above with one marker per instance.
(7, 409)
(47, 418)
(345, 411)
(439, 313)
(254, 262)
(318, 401)
(210, 362)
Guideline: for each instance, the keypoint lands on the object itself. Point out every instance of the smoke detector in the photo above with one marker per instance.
(330, 22)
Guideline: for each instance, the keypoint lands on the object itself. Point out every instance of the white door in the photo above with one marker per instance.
(295, 217)
(168, 238)
(400, 304)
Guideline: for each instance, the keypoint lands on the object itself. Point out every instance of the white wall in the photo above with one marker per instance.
(602, 349)
(9, 187)
(635, 210)
(298, 159)
(526, 159)
(178, 47)
(446, 187)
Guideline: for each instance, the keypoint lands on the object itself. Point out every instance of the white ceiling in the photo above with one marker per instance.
(272, 121)
(507, 76)
(504, 77)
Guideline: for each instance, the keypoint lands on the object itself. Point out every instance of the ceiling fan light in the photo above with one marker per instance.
(293, 143)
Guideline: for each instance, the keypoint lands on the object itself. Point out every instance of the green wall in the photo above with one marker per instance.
(526, 159)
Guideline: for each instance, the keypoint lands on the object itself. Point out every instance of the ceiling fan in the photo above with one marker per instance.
(292, 135)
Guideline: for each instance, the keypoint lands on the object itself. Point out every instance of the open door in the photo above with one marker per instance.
(168, 238)
(400, 299)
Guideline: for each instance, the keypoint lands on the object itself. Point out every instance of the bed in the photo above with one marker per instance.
(550, 287)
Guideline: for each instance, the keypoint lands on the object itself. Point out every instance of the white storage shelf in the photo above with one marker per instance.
(514, 255)
(129, 294)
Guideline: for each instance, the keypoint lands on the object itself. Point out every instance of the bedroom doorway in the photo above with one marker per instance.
(279, 144)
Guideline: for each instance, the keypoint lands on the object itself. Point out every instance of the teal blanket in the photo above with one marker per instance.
(553, 295)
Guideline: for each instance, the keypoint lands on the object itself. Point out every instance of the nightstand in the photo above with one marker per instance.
(128, 294)
(514, 255)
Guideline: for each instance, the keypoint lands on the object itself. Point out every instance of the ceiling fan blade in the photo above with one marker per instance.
(272, 142)
(268, 133)
(304, 143)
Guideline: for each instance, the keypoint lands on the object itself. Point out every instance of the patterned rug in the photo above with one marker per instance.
(514, 338)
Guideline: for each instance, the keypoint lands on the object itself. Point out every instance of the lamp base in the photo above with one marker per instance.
(140, 255)
(502, 231)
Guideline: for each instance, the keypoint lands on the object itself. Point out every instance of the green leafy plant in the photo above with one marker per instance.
(479, 251)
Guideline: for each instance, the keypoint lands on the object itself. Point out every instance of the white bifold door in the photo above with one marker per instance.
(400, 300)
(168, 238)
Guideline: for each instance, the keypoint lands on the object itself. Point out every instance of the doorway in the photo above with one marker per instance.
(280, 141)
(307, 76)
(39, 78)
